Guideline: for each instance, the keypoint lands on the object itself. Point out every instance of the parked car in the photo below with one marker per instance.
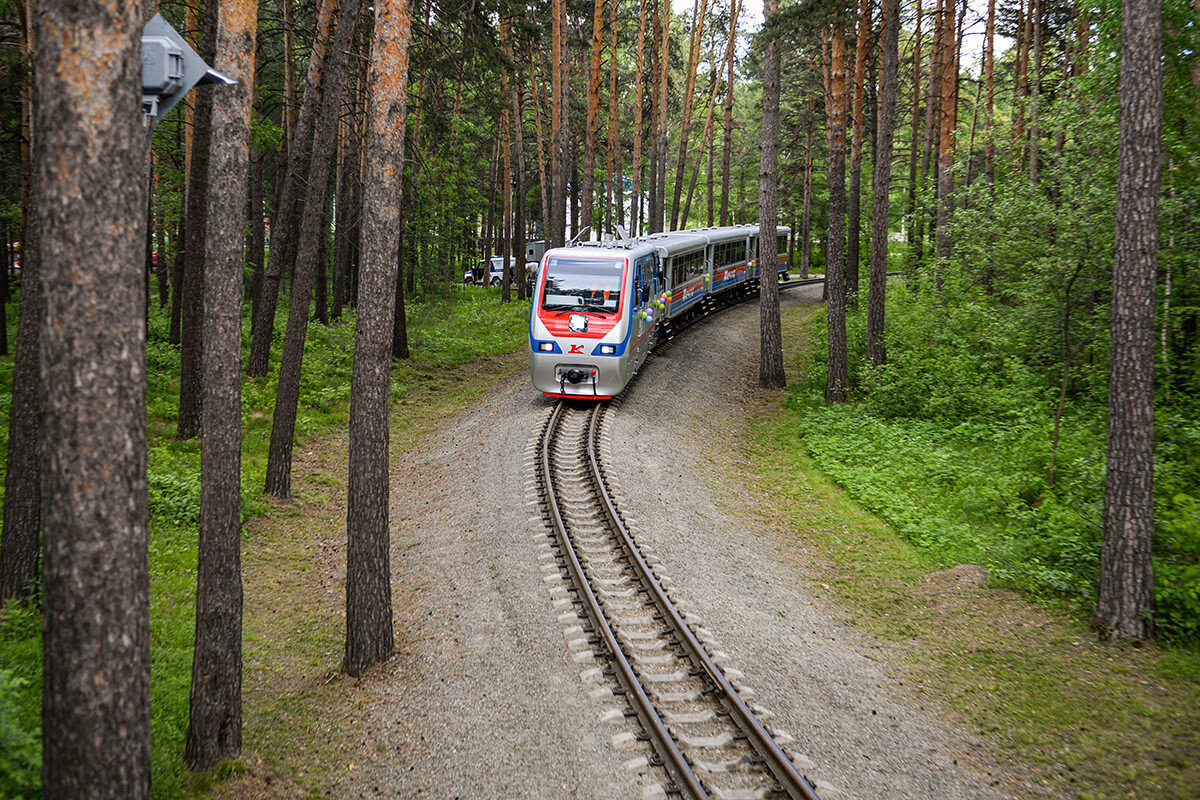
(495, 275)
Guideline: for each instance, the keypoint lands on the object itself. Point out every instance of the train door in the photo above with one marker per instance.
(644, 283)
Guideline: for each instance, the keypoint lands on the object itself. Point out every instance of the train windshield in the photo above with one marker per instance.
(592, 284)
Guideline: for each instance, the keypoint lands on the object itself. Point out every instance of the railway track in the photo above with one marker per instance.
(705, 737)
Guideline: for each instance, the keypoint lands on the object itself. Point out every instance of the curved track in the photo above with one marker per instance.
(703, 734)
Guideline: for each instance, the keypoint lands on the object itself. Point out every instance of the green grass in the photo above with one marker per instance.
(447, 335)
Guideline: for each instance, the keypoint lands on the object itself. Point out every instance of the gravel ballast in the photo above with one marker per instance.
(490, 695)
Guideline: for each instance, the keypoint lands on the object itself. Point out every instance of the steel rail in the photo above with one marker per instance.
(661, 738)
(764, 744)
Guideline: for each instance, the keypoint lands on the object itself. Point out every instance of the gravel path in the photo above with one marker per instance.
(487, 700)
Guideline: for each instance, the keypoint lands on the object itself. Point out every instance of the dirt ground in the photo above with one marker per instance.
(486, 698)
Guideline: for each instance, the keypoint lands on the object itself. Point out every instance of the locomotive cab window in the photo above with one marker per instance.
(583, 283)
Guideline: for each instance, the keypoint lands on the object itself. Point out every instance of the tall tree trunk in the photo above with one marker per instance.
(706, 137)
(321, 264)
(710, 179)
(806, 219)
(518, 244)
(882, 183)
(89, 156)
(349, 171)
(258, 232)
(970, 156)
(854, 234)
(215, 721)
(369, 633)
(652, 199)
(287, 393)
(164, 260)
(1126, 593)
(20, 542)
(948, 118)
(1021, 80)
(989, 71)
(727, 140)
(506, 135)
(611, 191)
(838, 376)
(635, 195)
(770, 359)
(593, 106)
(937, 54)
(286, 209)
(288, 118)
(913, 241)
(658, 212)
(1035, 91)
(191, 379)
(699, 16)
(535, 90)
(558, 119)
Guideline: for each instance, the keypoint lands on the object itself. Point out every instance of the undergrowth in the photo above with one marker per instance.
(462, 326)
(952, 442)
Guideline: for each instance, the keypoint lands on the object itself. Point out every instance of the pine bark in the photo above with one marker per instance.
(854, 207)
(258, 234)
(882, 182)
(612, 192)
(916, 127)
(806, 217)
(658, 211)
(369, 632)
(989, 71)
(215, 721)
(263, 324)
(287, 392)
(593, 106)
(699, 16)
(90, 185)
(1126, 592)
(770, 363)
(948, 119)
(518, 239)
(727, 140)
(838, 375)
(558, 128)
(507, 185)
(191, 378)
(20, 543)
(635, 206)
(535, 90)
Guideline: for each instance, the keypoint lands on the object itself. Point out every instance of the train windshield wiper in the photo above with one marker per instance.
(598, 309)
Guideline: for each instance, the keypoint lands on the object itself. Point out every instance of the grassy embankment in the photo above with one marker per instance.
(1010, 658)
(298, 709)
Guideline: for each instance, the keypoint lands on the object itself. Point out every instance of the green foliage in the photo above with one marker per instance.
(20, 750)
(952, 441)
(459, 327)
(20, 704)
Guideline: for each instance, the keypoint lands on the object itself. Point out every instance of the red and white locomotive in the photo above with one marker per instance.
(600, 307)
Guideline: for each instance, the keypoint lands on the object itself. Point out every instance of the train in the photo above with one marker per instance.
(599, 308)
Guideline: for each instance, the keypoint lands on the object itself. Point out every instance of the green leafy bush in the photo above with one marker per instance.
(20, 748)
(953, 439)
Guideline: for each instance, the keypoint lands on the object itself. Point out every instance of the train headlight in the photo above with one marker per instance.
(608, 349)
(546, 347)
